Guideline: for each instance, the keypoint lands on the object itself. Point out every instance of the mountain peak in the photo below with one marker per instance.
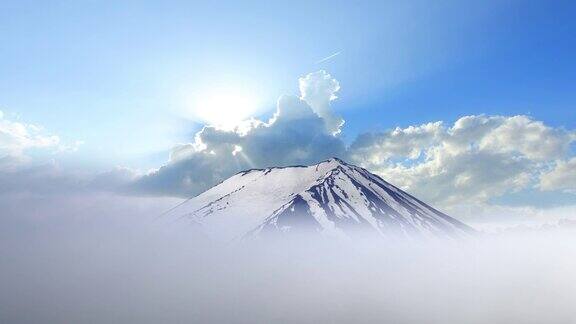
(332, 164)
(331, 198)
(335, 160)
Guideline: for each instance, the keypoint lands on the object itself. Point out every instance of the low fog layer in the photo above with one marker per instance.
(124, 267)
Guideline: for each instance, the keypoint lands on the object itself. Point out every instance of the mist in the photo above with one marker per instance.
(120, 265)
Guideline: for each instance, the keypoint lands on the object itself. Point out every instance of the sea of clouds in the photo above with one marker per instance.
(119, 264)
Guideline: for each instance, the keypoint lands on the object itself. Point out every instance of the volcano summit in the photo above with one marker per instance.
(331, 198)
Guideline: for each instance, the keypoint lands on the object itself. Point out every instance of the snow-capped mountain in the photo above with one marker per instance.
(332, 198)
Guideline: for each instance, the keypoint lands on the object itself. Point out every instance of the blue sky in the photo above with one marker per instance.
(111, 74)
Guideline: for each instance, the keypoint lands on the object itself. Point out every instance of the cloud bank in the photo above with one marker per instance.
(118, 270)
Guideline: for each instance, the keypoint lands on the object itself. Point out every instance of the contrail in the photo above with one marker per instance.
(329, 57)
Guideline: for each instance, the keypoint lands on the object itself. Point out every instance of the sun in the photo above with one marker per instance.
(224, 108)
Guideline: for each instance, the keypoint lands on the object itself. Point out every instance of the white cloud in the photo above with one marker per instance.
(528, 137)
(318, 89)
(16, 137)
(474, 160)
(410, 142)
(562, 177)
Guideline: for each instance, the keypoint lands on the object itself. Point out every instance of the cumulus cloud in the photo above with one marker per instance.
(318, 89)
(297, 133)
(561, 177)
(528, 137)
(410, 142)
(476, 159)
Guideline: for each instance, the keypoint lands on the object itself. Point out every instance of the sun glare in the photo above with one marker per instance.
(224, 108)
